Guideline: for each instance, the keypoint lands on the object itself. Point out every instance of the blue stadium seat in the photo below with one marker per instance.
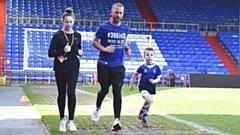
(87, 8)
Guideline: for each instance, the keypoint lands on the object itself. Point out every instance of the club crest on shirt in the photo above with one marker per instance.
(154, 71)
(145, 70)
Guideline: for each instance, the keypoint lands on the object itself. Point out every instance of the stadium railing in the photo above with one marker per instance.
(137, 23)
(209, 25)
(83, 21)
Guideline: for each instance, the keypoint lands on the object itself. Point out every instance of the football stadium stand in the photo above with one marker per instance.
(177, 38)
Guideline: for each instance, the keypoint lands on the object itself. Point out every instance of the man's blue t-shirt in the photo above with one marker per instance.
(112, 35)
(148, 73)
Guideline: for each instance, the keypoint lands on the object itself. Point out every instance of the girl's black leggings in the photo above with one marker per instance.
(66, 83)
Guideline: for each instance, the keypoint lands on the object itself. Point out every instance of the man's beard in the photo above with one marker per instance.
(116, 20)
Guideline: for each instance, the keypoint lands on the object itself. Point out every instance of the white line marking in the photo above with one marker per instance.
(192, 124)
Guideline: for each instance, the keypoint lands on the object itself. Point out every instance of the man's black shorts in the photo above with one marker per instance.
(111, 75)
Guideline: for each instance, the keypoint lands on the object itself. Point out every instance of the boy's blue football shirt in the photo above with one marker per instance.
(148, 73)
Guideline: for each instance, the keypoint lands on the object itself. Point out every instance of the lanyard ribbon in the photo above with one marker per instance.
(61, 58)
(67, 37)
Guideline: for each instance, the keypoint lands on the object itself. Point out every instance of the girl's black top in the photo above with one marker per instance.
(56, 48)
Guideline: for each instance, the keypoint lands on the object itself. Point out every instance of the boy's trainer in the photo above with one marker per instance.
(140, 116)
(144, 123)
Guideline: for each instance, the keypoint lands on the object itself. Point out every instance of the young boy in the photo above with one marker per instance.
(150, 75)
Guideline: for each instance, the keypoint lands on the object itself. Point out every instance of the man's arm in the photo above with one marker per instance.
(125, 42)
(98, 46)
(132, 81)
(126, 48)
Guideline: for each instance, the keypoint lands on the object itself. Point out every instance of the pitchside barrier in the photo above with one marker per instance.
(214, 80)
(180, 81)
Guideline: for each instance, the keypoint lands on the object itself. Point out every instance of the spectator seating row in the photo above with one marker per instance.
(231, 42)
(208, 14)
(198, 11)
(84, 8)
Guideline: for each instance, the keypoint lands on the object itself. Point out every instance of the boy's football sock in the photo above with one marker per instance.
(144, 108)
(144, 118)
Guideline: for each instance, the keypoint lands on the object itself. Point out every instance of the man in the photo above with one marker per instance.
(110, 68)
(170, 78)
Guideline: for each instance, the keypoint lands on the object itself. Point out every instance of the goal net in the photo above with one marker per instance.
(36, 44)
(37, 41)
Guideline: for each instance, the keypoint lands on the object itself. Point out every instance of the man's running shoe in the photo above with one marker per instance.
(116, 126)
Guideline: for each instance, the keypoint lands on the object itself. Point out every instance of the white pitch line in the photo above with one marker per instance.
(192, 124)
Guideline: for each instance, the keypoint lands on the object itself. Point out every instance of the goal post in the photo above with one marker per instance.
(37, 42)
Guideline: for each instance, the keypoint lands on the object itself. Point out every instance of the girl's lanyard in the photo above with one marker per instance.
(61, 58)
(67, 37)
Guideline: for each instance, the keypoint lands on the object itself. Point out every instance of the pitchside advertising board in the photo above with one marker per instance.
(214, 80)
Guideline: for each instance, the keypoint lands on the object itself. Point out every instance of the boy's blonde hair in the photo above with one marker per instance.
(149, 49)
